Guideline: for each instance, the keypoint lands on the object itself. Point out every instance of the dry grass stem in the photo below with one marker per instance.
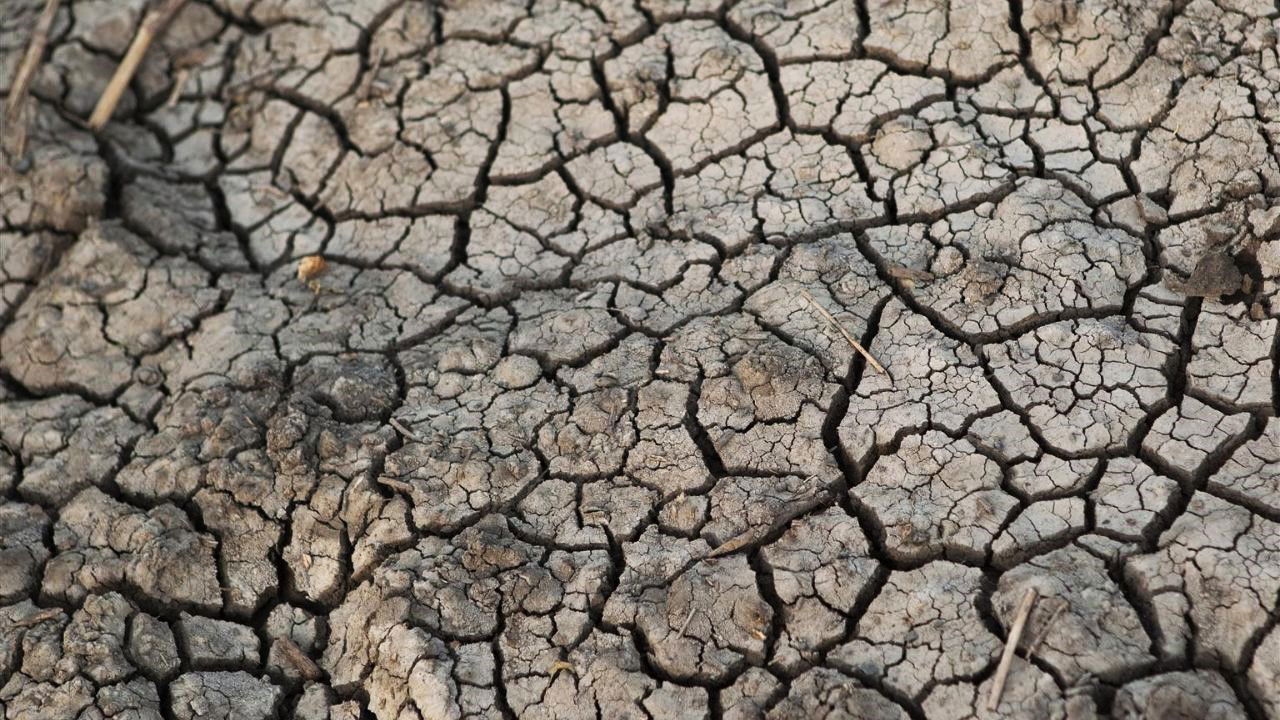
(305, 666)
(562, 665)
(847, 336)
(685, 625)
(151, 26)
(396, 484)
(732, 544)
(1011, 646)
(14, 112)
(37, 618)
(366, 87)
(184, 64)
(1034, 644)
(399, 426)
(179, 82)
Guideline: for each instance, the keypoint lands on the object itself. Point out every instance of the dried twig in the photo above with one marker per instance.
(902, 272)
(366, 87)
(399, 426)
(559, 665)
(305, 666)
(735, 543)
(237, 92)
(847, 336)
(14, 122)
(37, 618)
(1011, 646)
(179, 82)
(152, 23)
(1033, 645)
(685, 625)
(395, 484)
(183, 64)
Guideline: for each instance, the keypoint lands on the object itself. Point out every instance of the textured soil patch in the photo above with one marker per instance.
(486, 359)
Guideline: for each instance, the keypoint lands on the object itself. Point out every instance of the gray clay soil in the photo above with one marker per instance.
(559, 432)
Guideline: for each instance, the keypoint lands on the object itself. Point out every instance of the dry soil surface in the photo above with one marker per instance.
(562, 430)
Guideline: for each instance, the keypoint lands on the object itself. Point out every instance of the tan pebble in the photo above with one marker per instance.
(310, 267)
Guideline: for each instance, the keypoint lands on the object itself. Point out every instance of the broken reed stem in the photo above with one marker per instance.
(735, 543)
(14, 120)
(184, 64)
(305, 666)
(847, 336)
(152, 23)
(1034, 645)
(685, 625)
(1011, 646)
(404, 430)
(396, 484)
(559, 665)
(366, 87)
(179, 82)
(37, 618)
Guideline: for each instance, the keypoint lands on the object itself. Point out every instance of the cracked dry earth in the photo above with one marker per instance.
(558, 432)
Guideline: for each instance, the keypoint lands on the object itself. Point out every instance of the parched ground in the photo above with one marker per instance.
(562, 430)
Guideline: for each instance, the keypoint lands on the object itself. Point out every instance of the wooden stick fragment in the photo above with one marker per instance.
(179, 82)
(404, 430)
(560, 665)
(184, 64)
(305, 666)
(366, 86)
(847, 336)
(37, 618)
(14, 123)
(152, 24)
(685, 625)
(395, 484)
(734, 543)
(1011, 646)
(1034, 645)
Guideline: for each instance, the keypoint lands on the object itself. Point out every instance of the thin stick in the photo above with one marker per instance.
(396, 484)
(366, 87)
(404, 430)
(853, 343)
(152, 23)
(735, 543)
(184, 64)
(15, 125)
(179, 82)
(305, 666)
(559, 665)
(37, 618)
(685, 625)
(1034, 645)
(1011, 646)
